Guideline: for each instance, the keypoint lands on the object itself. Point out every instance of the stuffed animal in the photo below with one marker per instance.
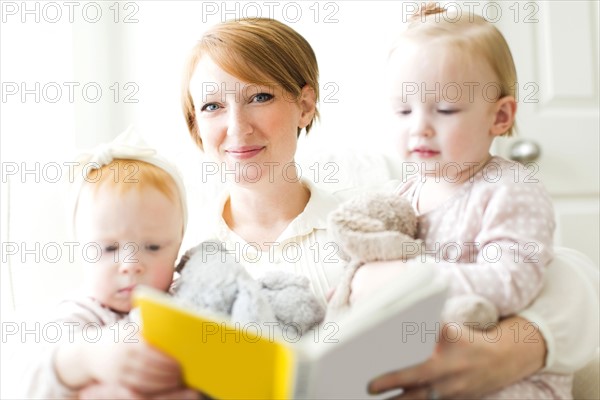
(212, 281)
(379, 227)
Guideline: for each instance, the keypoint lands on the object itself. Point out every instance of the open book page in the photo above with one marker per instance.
(395, 328)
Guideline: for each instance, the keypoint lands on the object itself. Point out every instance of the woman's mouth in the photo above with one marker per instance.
(244, 152)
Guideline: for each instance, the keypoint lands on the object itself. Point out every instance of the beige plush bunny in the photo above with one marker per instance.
(382, 226)
(370, 227)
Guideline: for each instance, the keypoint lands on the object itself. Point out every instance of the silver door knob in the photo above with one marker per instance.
(525, 151)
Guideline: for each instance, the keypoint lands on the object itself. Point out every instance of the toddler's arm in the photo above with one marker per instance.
(511, 249)
(136, 365)
(80, 321)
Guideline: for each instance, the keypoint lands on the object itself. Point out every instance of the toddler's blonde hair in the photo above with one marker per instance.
(470, 34)
(124, 175)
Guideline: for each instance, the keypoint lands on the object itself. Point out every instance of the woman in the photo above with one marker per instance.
(250, 88)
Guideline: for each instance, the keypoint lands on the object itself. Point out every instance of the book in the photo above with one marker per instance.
(395, 328)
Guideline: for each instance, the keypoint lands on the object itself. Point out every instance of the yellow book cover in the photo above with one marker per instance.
(222, 360)
(395, 328)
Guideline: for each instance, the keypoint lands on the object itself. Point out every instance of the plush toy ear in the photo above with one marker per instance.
(342, 254)
(470, 308)
(207, 282)
(292, 300)
(251, 306)
(185, 258)
(278, 280)
(210, 248)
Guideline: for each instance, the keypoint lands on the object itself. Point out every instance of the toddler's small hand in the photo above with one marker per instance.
(179, 394)
(104, 391)
(136, 365)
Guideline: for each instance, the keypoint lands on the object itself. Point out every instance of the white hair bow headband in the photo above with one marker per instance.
(123, 146)
(131, 146)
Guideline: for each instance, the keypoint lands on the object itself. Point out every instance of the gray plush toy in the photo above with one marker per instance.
(380, 227)
(212, 281)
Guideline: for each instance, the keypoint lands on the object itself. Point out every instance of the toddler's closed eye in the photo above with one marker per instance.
(448, 111)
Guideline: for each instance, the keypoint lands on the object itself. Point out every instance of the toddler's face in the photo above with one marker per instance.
(138, 234)
(444, 108)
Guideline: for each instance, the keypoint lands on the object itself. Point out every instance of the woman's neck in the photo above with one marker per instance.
(259, 213)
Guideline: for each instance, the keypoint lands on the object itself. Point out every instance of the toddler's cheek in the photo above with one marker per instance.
(162, 279)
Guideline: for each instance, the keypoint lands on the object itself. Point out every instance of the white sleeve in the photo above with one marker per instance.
(567, 311)
(29, 370)
(36, 373)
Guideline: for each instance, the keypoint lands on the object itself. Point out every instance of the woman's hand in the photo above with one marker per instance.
(471, 363)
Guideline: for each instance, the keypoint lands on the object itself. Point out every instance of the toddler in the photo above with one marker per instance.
(130, 214)
(487, 221)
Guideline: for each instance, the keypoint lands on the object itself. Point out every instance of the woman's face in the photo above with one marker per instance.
(250, 130)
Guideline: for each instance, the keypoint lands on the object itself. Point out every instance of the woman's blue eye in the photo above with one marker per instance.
(262, 97)
(210, 107)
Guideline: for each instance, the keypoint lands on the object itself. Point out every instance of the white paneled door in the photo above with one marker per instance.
(555, 46)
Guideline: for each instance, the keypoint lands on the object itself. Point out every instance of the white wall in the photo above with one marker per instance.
(137, 49)
(351, 51)
(142, 49)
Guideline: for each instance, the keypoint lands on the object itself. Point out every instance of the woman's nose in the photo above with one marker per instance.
(238, 122)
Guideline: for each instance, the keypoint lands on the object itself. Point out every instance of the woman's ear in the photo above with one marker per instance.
(308, 105)
(505, 111)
